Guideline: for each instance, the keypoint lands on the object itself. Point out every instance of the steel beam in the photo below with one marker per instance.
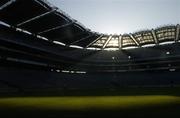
(41, 3)
(95, 40)
(7, 4)
(82, 39)
(155, 37)
(36, 17)
(55, 28)
(109, 38)
(120, 41)
(132, 37)
(177, 33)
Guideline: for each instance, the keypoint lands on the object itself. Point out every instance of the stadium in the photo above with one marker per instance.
(53, 66)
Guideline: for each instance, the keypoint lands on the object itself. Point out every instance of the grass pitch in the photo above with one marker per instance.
(90, 107)
(126, 106)
(86, 103)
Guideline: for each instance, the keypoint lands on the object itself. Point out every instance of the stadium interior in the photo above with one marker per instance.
(45, 52)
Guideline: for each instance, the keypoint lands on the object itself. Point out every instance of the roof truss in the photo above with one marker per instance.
(7, 4)
(37, 17)
(177, 33)
(132, 37)
(109, 38)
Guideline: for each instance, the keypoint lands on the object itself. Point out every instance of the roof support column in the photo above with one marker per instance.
(109, 38)
(155, 37)
(137, 43)
(95, 40)
(120, 42)
(177, 33)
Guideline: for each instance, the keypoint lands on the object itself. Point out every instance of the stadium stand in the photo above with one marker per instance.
(41, 47)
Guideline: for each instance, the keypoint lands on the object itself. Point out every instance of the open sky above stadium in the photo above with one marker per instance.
(121, 16)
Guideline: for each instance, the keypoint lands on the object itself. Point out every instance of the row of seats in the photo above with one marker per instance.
(33, 79)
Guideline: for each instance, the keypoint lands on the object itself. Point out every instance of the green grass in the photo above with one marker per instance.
(125, 103)
(87, 102)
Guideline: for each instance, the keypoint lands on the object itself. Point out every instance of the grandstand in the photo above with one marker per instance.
(43, 51)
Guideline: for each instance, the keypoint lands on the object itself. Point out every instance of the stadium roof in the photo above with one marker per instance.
(41, 19)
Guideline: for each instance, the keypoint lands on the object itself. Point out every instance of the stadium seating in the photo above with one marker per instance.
(35, 55)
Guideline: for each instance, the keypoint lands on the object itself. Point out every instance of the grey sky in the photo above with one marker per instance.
(121, 16)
